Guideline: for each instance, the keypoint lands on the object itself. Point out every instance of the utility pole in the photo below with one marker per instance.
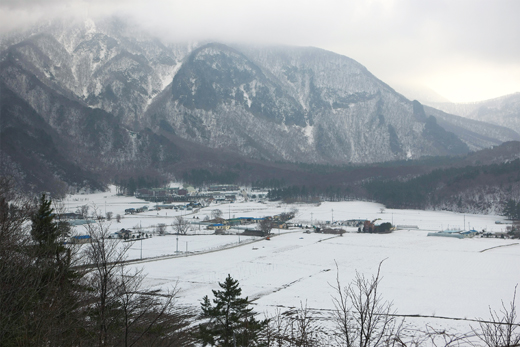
(141, 248)
(177, 248)
(332, 216)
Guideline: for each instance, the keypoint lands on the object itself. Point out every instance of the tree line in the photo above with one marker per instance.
(465, 189)
(512, 209)
(295, 193)
(441, 185)
(128, 186)
(202, 176)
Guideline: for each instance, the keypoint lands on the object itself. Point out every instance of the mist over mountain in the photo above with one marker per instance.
(95, 100)
(423, 94)
(503, 111)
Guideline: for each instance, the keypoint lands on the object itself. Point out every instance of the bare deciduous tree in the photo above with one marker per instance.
(216, 213)
(145, 312)
(436, 337)
(304, 330)
(122, 312)
(105, 258)
(297, 327)
(83, 211)
(285, 216)
(266, 225)
(161, 228)
(362, 317)
(502, 328)
(181, 226)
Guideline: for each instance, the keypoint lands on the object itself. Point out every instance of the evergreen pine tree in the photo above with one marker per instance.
(48, 233)
(231, 322)
(59, 285)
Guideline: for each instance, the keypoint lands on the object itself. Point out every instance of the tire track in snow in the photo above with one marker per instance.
(287, 285)
(487, 249)
(318, 313)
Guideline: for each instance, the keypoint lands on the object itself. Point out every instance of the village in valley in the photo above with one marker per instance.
(208, 211)
(285, 253)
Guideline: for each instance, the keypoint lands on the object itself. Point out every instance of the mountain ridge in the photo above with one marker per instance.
(116, 98)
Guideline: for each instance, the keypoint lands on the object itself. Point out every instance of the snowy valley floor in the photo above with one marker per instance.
(428, 276)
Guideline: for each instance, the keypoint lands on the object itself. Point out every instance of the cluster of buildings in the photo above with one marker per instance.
(248, 224)
(127, 234)
(189, 194)
(221, 193)
(179, 207)
(458, 234)
(74, 219)
(161, 194)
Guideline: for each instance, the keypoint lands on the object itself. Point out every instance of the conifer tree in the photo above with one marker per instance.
(57, 288)
(231, 320)
(48, 233)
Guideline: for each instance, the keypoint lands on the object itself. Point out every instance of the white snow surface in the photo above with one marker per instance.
(431, 276)
(308, 131)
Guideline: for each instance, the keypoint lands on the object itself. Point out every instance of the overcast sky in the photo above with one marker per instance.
(464, 50)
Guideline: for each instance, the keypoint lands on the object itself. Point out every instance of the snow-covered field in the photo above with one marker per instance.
(431, 276)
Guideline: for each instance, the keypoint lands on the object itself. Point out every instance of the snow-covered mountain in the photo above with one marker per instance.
(108, 97)
(503, 111)
(296, 104)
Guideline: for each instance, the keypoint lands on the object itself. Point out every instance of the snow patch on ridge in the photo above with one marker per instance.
(98, 87)
(193, 86)
(253, 87)
(246, 96)
(308, 131)
(90, 26)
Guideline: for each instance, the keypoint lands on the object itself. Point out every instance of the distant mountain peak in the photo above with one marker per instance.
(502, 111)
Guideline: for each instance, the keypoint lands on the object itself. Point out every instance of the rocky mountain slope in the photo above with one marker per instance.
(296, 104)
(476, 134)
(104, 98)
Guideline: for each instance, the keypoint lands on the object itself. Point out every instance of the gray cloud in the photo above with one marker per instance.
(421, 42)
